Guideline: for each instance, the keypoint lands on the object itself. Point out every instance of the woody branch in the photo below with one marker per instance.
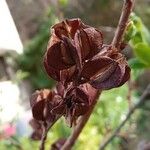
(126, 11)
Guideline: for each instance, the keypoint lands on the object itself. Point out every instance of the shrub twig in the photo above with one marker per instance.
(126, 11)
(45, 132)
(44, 137)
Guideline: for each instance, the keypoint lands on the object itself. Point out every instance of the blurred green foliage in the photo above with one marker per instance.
(63, 2)
(140, 43)
(109, 112)
(31, 62)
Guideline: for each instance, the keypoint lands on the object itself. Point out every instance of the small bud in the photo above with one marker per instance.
(129, 32)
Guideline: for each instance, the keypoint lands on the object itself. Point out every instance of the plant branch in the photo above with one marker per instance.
(45, 131)
(141, 101)
(78, 129)
(126, 11)
(44, 137)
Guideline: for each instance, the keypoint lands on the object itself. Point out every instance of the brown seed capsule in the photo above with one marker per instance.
(75, 103)
(115, 75)
(71, 43)
(37, 129)
(42, 102)
(37, 102)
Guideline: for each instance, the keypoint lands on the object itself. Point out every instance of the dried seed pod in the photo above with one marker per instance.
(71, 43)
(67, 28)
(119, 73)
(76, 54)
(42, 102)
(75, 103)
(98, 68)
(37, 129)
(38, 101)
(59, 55)
(88, 42)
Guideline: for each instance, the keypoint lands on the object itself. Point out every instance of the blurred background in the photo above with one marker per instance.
(24, 33)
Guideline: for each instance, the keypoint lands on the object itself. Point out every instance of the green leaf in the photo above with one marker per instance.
(130, 32)
(137, 39)
(146, 34)
(137, 21)
(135, 63)
(63, 2)
(142, 52)
(143, 33)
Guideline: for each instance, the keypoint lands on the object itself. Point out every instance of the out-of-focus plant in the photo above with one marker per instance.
(140, 43)
(31, 62)
(139, 38)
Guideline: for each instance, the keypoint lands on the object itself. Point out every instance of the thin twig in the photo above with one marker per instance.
(126, 11)
(44, 136)
(78, 129)
(45, 131)
(132, 110)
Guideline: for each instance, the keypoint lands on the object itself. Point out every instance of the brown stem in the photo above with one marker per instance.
(44, 136)
(78, 129)
(132, 110)
(126, 11)
(45, 131)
